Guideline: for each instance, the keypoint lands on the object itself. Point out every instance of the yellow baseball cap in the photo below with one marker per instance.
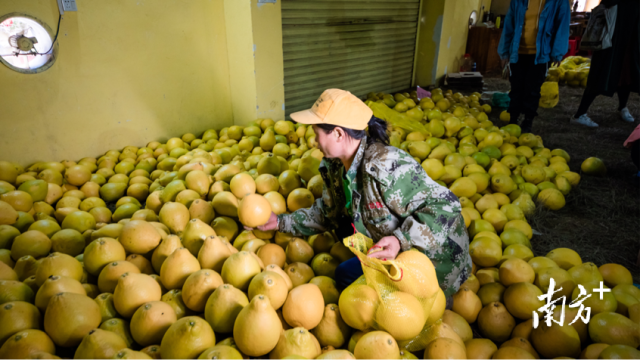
(336, 107)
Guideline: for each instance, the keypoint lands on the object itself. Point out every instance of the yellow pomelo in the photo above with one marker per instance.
(491, 292)
(502, 183)
(242, 185)
(69, 317)
(289, 180)
(271, 285)
(277, 202)
(316, 186)
(223, 307)
(521, 299)
(593, 166)
(574, 178)
(496, 218)
(151, 321)
(515, 271)
(512, 212)
(522, 343)
(585, 273)
(562, 184)
(615, 274)
(469, 215)
(559, 167)
(539, 263)
(458, 324)
(100, 252)
(495, 322)
(296, 343)
(225, 203)
(187, 338)
(58, 264)
(555, 340)
(358, 304)
(434, 168)
(523, 330)
(444, 348)
(480, 348)
(108, 278)
(514, 236)
(266, 183)
(401, 315)
(608, 303)
(565, 258)
(239, 269)
(619, 352)
(28, 343)
(254, 210)
(551, 199)
(133, 290)
(533, 174)
(467, 304)
(377, 345)
(521, 225)
(304, 306)
(463, 187)
(300, 198)
(485, 203)
(519, 251)
(485, 251)
(478, 226)
(198, 288)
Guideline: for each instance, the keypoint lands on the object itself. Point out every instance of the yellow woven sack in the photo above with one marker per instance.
(550, 94)
(382, 111)
(396, 296)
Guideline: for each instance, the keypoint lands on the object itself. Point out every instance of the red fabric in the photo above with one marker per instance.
(573, 47)
(635, 136)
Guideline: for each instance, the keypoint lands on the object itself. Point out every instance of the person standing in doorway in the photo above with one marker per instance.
(616, 69)
(535, 33)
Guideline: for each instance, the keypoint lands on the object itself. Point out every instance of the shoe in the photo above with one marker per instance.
(626, 115)
(584, 120)
(515, 121)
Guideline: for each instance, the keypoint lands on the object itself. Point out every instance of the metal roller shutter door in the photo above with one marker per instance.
(355, 45)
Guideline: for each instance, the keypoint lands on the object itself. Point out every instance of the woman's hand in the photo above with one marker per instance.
(272, 224)
(386, 249)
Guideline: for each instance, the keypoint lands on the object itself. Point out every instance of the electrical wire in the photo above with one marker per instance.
(53, 43)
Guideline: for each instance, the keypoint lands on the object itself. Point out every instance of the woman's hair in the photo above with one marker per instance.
(377, 129)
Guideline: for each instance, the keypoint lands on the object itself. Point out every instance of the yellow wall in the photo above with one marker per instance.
(455, 28)
(429, 37)
(128, 72)
(442, 37)
(254, 37)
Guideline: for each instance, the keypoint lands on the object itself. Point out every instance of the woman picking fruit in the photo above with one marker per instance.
(379, 191)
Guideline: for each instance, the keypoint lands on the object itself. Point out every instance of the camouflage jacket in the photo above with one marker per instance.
(393, 195)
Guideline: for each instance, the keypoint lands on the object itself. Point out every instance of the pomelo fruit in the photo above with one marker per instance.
(69, 317)
(187, 338)
(257, 328)
(151, 321)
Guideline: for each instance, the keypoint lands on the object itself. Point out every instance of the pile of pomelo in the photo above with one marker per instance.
(141, 252)
(499, 174)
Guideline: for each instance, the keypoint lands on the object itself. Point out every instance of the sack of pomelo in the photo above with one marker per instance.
(398, 296)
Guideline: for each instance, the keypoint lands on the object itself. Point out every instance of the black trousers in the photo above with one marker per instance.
(526, 80)
(589, 95)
